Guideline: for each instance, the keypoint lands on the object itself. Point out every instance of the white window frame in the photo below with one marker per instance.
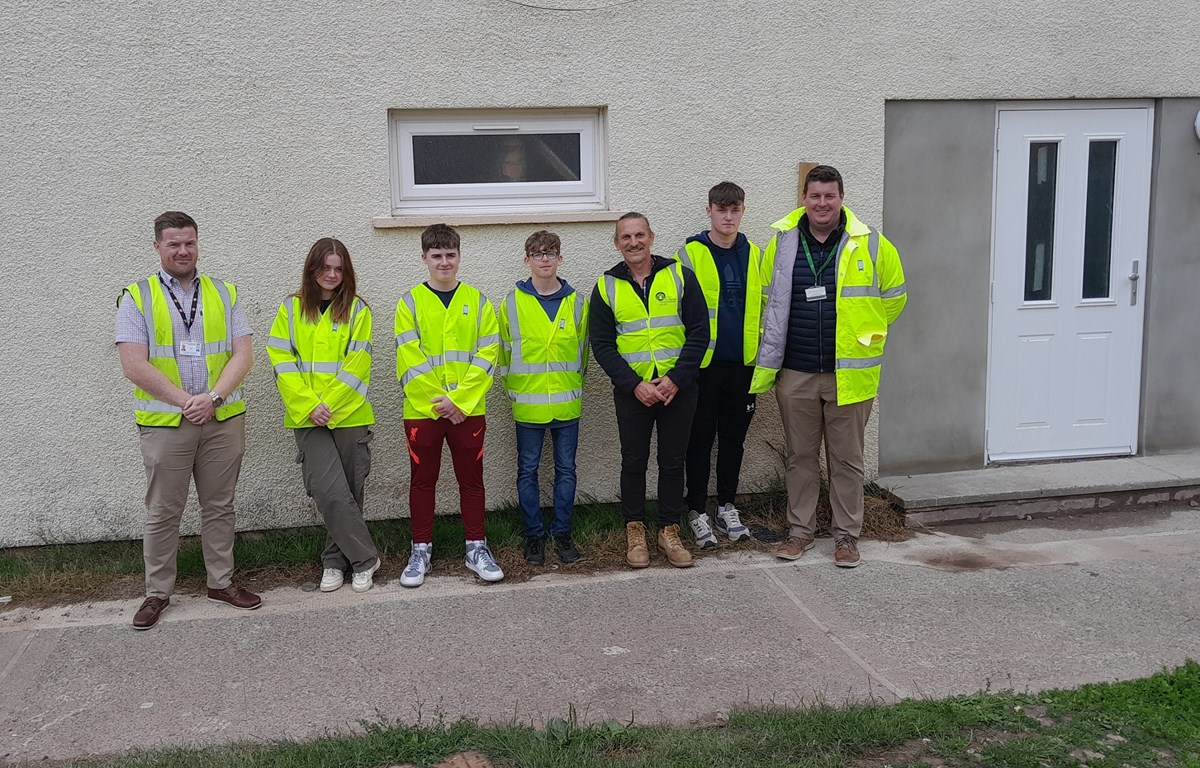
(586, 194)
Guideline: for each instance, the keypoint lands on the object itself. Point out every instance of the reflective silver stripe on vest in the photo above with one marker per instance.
(649, 357)
(677, 273)
(320, 367)
(484, 341)
(355, 308)
(277, 343)
(417, 370)
(894, 293)
(291, 316)
(406, 337)
(684, 257)
(572, 366)
(281, 368)
(223, 292)
(412, 310)
(666, 321)
(569, 396)
(213, 347)
(352, 381)
(234, 397)
(632, 326)
(155, 406)
(359, 346)
(610, 291)
(873, 251)
(844, 363)
(482, 364)
(454, 356)
(583, 341)
(860, 290)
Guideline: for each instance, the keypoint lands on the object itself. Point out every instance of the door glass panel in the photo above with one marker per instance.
(1098, 222)
(1039, 220)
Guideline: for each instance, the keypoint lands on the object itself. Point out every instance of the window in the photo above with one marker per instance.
(485, 161)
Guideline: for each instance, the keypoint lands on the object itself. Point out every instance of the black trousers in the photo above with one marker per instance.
(635, 424)
(724, 410)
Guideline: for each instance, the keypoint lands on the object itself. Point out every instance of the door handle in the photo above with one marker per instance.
(1133, 284)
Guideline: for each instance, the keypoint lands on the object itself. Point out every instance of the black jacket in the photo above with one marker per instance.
(603, 329)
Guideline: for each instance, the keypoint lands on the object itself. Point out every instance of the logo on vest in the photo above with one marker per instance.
(660, 296)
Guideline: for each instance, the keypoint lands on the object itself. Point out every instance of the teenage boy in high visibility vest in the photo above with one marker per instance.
(729, 269)
(543, 357)
(447, 341)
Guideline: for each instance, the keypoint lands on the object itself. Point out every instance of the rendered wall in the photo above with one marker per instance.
(937, 201)
(268, 123)
(1171, 397)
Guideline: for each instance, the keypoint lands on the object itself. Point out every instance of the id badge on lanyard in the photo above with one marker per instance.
(191, 349)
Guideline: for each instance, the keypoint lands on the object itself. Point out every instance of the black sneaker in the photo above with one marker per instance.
(535, 550)
(565, 548)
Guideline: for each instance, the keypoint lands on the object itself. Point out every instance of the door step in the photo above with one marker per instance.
(1006, 492)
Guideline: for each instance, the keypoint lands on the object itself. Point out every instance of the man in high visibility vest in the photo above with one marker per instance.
(649, 332)
(543, 357)
(837, 285)
(185, 345)
(447, 342)
(729, 269)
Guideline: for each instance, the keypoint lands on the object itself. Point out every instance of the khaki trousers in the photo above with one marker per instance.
(809, 409)
(335, 464)
(212, 454)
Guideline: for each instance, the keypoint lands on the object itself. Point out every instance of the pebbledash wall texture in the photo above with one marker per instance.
(269, 124)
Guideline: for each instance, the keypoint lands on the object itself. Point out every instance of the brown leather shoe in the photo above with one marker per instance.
(672, 548)
(845, 552)
(235, 596)
(150, 610)
(636, 552)
(793, 548)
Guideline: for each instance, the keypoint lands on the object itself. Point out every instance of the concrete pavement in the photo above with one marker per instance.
(1024, 605)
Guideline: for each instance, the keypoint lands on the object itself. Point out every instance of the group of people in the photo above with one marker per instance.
(688, 342)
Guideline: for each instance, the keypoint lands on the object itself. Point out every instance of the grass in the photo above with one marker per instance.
(1149, 722)
(72, 573)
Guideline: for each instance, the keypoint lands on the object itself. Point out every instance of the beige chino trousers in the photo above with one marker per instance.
(212, 454)
(810, 413)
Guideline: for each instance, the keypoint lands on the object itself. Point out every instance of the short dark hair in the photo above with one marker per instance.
(726, 193)
(542, 240)
(172, 220)
(823, 173)
(634, 215)
(440, 236)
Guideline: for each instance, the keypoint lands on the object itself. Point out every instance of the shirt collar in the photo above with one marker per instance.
(174, 283)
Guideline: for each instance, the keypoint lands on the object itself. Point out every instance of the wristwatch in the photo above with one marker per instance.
(218, 401)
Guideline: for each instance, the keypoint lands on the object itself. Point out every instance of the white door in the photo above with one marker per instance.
(1072, 205)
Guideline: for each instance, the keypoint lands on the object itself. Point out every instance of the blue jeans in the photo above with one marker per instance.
(529, 458)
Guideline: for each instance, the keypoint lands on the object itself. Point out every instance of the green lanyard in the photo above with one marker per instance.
(808, 255)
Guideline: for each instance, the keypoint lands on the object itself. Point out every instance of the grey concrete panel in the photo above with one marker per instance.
(937, 209)
(1171, 399)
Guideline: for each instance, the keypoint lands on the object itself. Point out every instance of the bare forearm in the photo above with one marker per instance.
(137, 369)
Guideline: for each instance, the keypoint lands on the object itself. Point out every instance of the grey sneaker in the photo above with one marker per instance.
(729, 522)
(418, 566)
(701, 530)
(480, 561)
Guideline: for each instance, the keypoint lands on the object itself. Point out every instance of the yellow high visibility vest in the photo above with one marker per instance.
(648, 338)
(696, 256)
(543, 360)
(445, 351)
(216, 299)
(322, 362)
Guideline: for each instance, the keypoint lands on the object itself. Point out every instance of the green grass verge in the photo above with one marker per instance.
(1149, 722)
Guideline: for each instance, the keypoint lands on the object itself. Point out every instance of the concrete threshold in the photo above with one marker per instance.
(1008, 491)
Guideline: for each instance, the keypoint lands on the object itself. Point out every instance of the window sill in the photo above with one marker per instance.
(477, 219)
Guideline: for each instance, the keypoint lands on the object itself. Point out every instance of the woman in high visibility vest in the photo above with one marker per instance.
(320, 350)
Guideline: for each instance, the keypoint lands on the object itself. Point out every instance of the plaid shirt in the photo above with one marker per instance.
(193, 371)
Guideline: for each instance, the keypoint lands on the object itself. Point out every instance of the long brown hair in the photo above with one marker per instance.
(310, 290)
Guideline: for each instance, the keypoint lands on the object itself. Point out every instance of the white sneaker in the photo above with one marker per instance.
(332, 579)
(418, 566)
(480, 560)
(729, 523)
(701, 531)
(362, 581)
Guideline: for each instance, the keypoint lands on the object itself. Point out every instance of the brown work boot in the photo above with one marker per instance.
(636, 553)
(793, 548)
(672, 548)
(149, 612)
(845, 552)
